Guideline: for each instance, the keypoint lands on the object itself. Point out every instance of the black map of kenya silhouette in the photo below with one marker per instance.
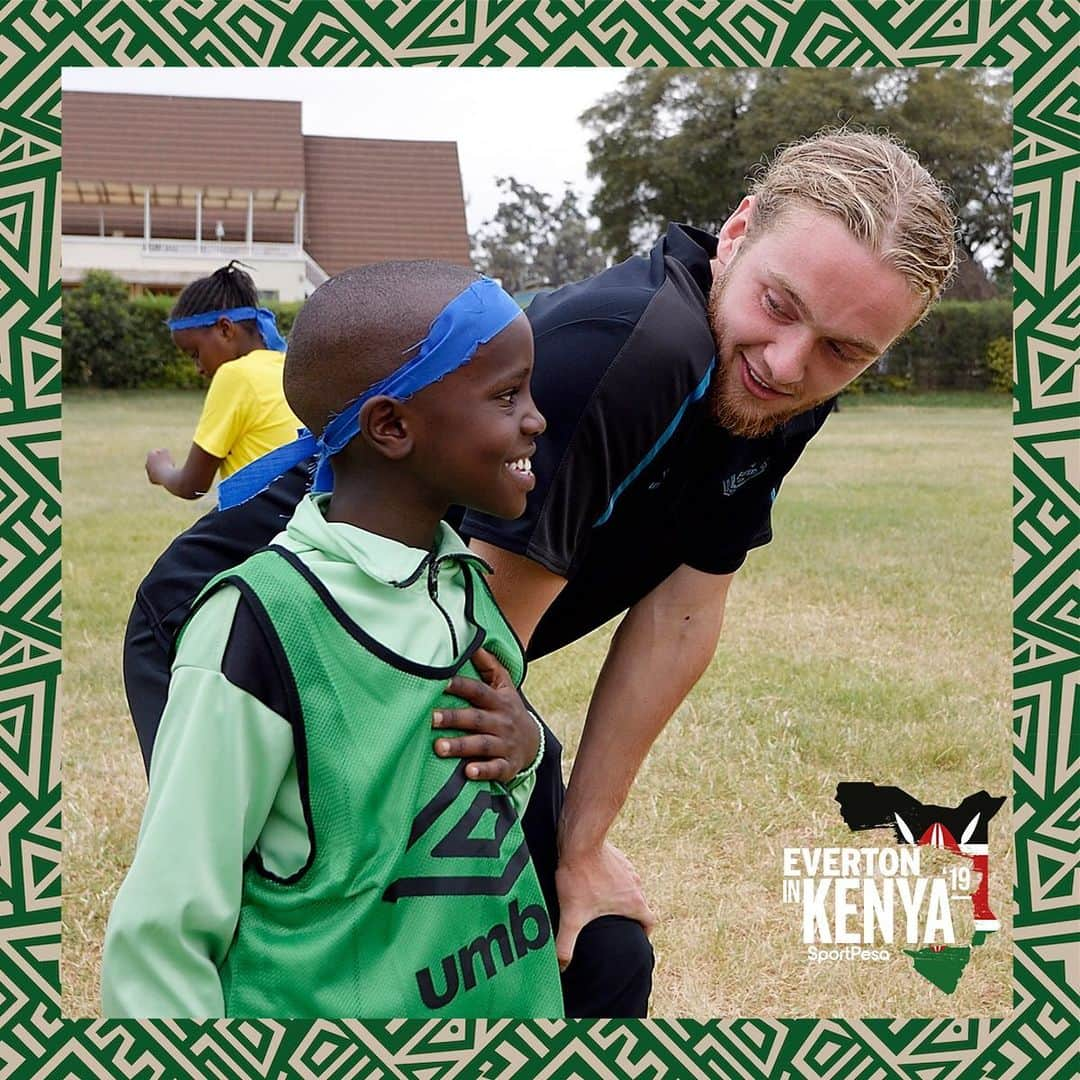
(962, 829)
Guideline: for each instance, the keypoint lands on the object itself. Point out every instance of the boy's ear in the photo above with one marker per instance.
(386, 428)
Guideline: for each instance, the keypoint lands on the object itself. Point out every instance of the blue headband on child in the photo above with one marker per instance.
(264, 319)
(470, 320)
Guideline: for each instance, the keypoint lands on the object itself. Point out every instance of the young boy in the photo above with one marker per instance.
(303, 852)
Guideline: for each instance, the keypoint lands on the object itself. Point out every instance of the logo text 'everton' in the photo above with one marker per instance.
(856, 902)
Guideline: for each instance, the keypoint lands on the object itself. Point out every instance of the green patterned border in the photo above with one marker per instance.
(1032, 39)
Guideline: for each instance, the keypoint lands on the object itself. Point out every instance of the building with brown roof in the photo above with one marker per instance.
(371, 199)
(162, 190)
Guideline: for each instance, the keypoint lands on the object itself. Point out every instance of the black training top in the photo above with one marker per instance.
(633, 477)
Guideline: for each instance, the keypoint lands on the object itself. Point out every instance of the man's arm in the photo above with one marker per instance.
(661, 648)
(523, 589)
(188, 481)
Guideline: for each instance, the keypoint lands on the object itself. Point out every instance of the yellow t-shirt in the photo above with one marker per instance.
(245, 414)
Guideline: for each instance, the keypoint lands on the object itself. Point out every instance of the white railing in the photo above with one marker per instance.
(214, 248)
(133, 260)
(222, 249)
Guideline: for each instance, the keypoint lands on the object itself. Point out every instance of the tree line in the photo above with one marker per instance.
(677, 144)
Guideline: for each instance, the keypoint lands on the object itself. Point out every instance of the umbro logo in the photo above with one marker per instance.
(478, 833)
(524, 931)
(737, 480)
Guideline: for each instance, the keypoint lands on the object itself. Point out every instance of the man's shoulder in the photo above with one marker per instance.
(616, 296)
(622, 294)
(642, 322)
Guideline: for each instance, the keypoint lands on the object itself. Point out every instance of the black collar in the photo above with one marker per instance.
(695, 249)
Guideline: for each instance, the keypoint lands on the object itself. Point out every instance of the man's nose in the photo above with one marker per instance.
(787, 356)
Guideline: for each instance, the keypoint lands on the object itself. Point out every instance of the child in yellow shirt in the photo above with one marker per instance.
(217, 321)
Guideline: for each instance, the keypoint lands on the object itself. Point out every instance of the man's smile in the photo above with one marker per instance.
(757, 385)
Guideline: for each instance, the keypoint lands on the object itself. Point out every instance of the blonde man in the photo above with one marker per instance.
(680, 388)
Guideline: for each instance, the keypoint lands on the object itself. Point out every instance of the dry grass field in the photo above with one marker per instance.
(869, 641)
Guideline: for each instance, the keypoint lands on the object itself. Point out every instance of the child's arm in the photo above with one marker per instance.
(226, 415)
(189, 480)
(218, 765)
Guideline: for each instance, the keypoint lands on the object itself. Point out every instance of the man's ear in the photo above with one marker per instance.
(386, 428)
(733, 231)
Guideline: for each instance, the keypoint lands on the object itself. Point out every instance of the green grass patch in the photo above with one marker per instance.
(870, 641)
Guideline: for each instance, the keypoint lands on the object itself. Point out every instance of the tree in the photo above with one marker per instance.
(678, 144)
(663, 150)
(530, 242)
(960, 124)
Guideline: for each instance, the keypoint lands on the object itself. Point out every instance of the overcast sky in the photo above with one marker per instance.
(517, 122)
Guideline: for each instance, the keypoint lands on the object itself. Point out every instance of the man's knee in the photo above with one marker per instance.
(611, 973)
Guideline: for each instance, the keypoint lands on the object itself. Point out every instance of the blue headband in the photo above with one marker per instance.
(264, 319)
(470, 320)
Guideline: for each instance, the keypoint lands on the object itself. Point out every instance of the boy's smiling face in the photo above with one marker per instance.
(475, 429)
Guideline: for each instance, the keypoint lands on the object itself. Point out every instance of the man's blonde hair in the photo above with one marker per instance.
(881, 193)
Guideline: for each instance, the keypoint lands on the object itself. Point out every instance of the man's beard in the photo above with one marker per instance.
(732, 406)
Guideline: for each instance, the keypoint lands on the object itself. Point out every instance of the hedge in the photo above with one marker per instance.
(113, 341)
(960, 345)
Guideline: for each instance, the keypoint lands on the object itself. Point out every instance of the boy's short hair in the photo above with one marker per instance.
(358, 327)
(877, 188)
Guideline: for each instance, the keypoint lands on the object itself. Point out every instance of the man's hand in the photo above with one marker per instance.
(159, 464)
(601, 883)
(506, 738)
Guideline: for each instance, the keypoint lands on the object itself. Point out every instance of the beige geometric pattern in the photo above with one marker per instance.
(1035, 39)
